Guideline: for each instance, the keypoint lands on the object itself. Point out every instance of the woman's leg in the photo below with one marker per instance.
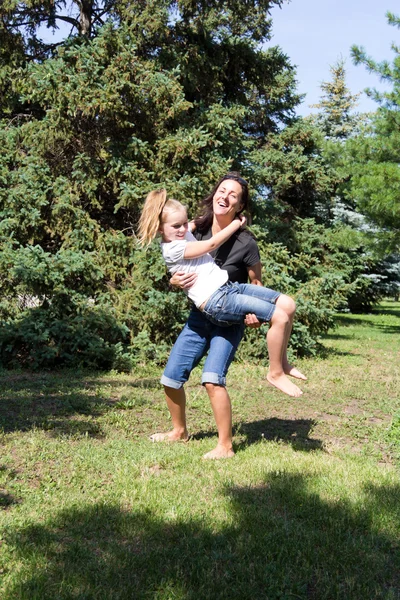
(176, 402)
(222, 409)
(189, 348)
(224, 342)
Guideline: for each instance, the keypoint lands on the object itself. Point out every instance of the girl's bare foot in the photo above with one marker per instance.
(282, 383)
(170, 436)
(293, 372)
(219, 452)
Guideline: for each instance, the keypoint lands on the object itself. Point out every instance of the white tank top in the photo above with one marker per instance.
(210, 276)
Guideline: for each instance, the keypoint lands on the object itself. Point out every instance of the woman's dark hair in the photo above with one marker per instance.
(204, 220)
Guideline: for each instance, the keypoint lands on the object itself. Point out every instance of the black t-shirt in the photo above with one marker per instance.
(235, 255)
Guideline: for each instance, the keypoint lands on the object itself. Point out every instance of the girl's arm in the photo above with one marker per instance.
(196, 249)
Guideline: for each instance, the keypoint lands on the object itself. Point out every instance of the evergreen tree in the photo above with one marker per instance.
(340, 125)
(375, 157)
(28, 19)
(171, 93)
(336, 118)
(163, 93)
(337, 122)
(293, 172)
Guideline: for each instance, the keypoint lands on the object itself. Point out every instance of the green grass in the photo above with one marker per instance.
(309, 508)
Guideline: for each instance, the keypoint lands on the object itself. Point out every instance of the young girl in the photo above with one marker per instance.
(222, 302)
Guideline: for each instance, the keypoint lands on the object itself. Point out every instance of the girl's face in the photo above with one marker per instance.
(174, 225)
(227, 199)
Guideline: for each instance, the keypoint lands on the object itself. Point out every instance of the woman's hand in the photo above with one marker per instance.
(183, 280)
(252, 321)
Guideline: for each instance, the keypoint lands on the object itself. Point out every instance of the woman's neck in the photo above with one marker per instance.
(220, 223)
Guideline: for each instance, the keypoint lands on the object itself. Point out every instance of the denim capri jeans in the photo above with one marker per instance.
(198, 337)
(233, 301)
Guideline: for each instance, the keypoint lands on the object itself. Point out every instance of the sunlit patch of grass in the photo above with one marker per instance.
(308, 508)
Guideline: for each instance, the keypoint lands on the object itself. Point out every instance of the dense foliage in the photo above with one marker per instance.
(347, 134)
(142, 94)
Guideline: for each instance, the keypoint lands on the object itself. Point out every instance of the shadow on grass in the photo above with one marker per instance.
(393, 310)
(68, 404)
(291, 431)
(61, 406)
(149, 383)
(364, 321)
(337, 336)
(325, 353)
(7, 500)
(144, 382)
(281, 541)
(52, 412)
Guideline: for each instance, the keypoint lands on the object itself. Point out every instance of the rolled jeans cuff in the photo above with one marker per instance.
(210, 377)
(171, 383)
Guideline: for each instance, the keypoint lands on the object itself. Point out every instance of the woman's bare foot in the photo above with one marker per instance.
(170, 436)
(219, 452)
(282, 383)
(293, 372)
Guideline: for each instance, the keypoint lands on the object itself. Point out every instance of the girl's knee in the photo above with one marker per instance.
(280, 316)
(287, 304)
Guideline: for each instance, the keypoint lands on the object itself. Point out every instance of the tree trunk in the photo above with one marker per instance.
(85, 18)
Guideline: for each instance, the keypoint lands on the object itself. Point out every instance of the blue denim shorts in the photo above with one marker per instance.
(233, 301)
(198, 337)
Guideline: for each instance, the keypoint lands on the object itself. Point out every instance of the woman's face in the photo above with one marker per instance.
(227, 199)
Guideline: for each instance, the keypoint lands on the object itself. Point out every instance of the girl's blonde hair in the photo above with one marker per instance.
(156, 205)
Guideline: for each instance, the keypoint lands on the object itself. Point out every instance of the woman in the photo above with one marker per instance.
(240, 257)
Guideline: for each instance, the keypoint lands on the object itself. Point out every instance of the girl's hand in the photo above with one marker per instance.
(242, 220)
(183, 280)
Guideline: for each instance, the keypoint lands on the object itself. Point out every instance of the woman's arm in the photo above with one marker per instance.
(197, 249)
(255, 274)
(255, 278)
(183, 280)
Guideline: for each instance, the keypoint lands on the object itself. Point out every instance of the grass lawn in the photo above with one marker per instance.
(309, 508)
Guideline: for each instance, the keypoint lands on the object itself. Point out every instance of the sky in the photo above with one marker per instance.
(314, 34)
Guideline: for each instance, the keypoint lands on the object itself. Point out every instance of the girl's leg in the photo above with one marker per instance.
(232, 305)
(276, 342)
(289, 306)
(246, 298)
